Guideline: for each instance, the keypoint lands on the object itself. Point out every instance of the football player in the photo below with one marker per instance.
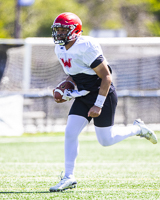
(83, 61)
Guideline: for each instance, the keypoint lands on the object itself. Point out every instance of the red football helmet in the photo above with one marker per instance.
(70, 21)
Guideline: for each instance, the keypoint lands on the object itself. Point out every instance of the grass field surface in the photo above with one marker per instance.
(30, 165)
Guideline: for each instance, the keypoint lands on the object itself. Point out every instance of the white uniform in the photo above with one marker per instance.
(79, 60)
(80, 56)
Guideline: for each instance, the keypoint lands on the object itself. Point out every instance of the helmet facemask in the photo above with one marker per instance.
(63, 39)
(70, 21)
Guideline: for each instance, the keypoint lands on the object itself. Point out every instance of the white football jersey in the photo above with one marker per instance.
(78, 58)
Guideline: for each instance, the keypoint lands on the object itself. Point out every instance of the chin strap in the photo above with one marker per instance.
(69, 94)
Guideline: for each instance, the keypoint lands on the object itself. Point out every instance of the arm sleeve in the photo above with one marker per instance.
(97, 61)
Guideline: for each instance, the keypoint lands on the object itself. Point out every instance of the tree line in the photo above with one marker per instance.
(138, 18)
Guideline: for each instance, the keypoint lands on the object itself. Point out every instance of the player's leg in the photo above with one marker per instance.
(107, 134)
(75, 125)
(77, 120)
(110, 135)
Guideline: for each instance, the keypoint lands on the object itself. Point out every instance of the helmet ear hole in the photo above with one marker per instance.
(76, 31)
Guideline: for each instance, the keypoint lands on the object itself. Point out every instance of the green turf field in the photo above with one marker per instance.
(30, 165)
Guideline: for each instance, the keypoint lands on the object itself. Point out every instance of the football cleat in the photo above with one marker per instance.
(146, 132)
(64, 184)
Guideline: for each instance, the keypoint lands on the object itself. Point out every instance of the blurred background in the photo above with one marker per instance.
(128, 31)
(33, 18)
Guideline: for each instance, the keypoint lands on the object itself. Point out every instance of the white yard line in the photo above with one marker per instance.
(82, 164)
(43, 139)
(39, 190)
(79, 179)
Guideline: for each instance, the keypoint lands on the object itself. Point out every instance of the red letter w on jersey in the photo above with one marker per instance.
(66, 63)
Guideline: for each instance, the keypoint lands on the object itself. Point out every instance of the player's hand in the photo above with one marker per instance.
(94, 111)
(58, 100)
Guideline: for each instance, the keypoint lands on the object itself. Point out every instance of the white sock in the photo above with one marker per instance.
(75, 124)
(110, 135)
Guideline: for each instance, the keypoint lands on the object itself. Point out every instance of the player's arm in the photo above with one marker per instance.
(102, 70)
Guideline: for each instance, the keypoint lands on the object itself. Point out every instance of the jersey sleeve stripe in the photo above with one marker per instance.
(96, 62)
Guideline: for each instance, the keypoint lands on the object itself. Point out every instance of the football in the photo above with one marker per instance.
(58, 92)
